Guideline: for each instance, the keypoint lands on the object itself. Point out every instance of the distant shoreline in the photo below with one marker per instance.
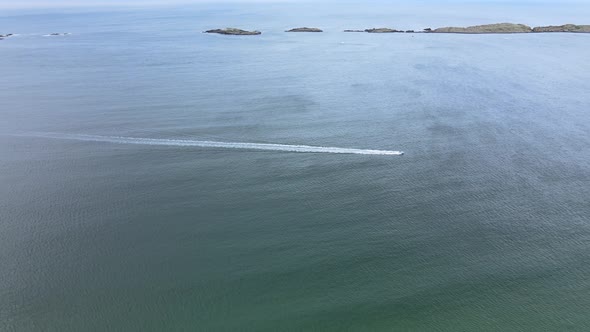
(498, 28)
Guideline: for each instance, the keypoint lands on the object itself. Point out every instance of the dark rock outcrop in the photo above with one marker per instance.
(305, 29)
(428, 30)
(234, 31)
(564, 28)
(488, 28)
(382, 30)
(410, 31)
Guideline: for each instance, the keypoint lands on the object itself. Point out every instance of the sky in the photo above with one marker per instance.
(108, 3)
(40, 5)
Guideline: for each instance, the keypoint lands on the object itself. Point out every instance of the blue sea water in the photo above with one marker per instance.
(484, 223)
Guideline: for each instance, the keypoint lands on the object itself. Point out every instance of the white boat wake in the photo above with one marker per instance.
(216, 144)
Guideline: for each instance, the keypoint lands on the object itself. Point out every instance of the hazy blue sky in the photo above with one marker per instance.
(93, 3)
(329, 14)
(79, 3)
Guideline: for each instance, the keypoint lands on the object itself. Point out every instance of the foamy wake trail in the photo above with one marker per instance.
(214, 144)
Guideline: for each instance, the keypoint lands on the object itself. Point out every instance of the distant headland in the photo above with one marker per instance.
(564, 28)
(498, 28)
(488, 28)
(514, 28)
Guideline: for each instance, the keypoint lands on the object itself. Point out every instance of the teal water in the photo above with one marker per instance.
(483, 225)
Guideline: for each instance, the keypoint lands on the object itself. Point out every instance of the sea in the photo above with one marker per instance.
(156, 178)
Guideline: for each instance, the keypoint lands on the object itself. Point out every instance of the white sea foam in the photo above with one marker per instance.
(216, 144)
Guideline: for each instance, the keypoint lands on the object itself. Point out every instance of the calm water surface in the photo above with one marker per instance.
(483, 225)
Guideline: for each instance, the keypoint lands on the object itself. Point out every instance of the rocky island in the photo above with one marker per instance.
(488, 28)
(376, 30)
(5, 36)
(234, 31)
(382, 30)
(564, 28)
(305, 29)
